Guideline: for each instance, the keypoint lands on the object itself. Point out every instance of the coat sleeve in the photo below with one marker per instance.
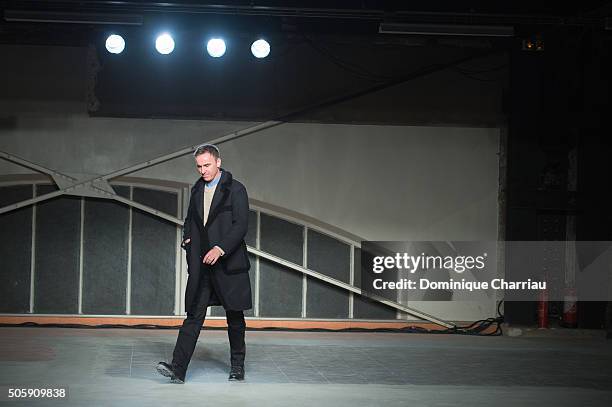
(240, 222)
(187, 223)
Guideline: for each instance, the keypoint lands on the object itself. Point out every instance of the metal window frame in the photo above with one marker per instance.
(71, 186)
(304, 270)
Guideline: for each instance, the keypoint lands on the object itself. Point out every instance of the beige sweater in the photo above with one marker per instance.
(208, 197)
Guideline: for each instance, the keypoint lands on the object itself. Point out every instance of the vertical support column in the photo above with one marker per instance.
(33, 251)
(351, 282)
(183, 271)
(257, 260)
(82, 223)
(305, 265)
(128, 286)
(178, 257)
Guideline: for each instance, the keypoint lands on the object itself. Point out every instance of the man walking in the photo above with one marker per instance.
(217, 262)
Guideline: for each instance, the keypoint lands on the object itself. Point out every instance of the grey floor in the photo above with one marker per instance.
(111, 367)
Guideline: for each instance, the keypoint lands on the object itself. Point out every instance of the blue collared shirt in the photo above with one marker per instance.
(214, 182)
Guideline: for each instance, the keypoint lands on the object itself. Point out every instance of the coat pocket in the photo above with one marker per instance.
(237, 262)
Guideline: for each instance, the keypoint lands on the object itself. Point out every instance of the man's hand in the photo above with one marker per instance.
(212, 256)
(185, 242)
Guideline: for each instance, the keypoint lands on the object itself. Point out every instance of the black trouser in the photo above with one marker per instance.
(190, 331)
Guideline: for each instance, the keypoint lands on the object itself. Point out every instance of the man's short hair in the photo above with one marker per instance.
(207, 148)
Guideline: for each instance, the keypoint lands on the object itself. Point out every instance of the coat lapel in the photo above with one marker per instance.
(220, 196)
(199, 199)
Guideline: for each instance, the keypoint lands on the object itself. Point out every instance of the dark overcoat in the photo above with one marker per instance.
(226, 227)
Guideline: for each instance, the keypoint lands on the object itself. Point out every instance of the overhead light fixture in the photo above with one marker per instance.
(164, 44)
(72, 17)
(447, 29)
(260, 48)
(216, 47)
(115, 44)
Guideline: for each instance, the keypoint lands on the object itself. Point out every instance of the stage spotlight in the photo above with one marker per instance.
(215, 47)
(164, 44)
(260, 49)
(115, 44)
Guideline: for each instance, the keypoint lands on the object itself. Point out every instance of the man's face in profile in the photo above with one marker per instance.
(208, 166)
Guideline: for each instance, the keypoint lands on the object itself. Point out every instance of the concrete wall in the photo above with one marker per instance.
(379, 182)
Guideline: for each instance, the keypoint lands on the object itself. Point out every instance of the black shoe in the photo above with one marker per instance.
(169, 371)
(236, 373)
